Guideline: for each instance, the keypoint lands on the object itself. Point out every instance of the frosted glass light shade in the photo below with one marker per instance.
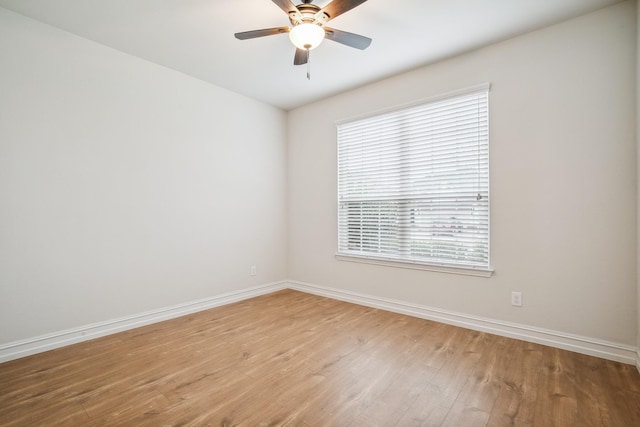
(306, 36)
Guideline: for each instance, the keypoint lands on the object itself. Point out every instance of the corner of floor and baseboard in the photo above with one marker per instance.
(27, 347)
(576, 343)
(585, 345)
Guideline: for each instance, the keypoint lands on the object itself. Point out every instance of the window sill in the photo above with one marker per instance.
(440, 268)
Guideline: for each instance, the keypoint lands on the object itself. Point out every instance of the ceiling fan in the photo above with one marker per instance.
(308, 27)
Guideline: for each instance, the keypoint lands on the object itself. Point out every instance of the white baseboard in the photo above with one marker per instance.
(585, 345)
(22, 348)
(579, 344)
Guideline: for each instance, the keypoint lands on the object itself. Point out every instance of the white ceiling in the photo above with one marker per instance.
(196, 37)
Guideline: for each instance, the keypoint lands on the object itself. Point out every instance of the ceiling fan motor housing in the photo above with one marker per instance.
(308, 14)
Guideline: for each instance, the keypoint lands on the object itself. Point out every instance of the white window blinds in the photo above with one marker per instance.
(413, 184)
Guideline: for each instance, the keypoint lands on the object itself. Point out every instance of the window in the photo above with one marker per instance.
(413, 184)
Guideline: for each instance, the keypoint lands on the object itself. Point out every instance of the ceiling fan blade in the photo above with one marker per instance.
(338, 7)
(261, 33)
(301, 57)
(349, 39)
(286, 5)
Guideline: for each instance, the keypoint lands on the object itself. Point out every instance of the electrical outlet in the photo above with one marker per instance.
(516, 299)
(254, 270)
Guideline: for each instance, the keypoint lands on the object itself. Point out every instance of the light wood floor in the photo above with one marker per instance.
(296, 359)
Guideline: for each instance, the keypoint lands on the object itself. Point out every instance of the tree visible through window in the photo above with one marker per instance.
(413, 183)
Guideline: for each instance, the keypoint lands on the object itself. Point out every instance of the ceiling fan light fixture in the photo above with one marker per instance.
(306, 36)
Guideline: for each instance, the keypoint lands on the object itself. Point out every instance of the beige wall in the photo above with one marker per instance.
(125, 186)
(563, 181)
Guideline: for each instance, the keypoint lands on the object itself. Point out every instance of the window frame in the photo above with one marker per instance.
(413, 263)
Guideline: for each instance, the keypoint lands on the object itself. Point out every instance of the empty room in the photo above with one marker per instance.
(319, 213)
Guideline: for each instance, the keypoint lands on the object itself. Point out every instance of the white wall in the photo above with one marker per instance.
(125, 186)
(563, 181)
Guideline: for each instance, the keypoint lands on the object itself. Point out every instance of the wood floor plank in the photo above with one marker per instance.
(557, 403)
(295, 359)
(478, 396)
(67, 414)
(396, 399)
(515, 403)
(463, 351)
